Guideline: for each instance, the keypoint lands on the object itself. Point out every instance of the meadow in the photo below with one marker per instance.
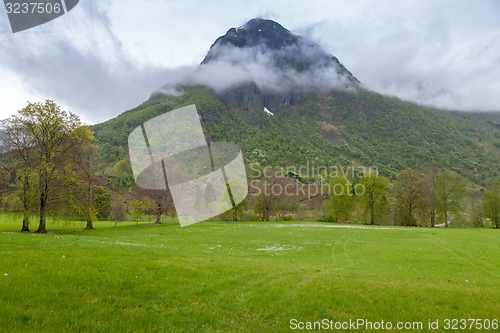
(252, 277)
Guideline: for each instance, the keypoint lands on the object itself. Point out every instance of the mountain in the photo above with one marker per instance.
(284, 67)
(286, 50)
(298, 105)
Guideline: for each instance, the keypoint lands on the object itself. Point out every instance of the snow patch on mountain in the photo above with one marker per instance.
(266, 110)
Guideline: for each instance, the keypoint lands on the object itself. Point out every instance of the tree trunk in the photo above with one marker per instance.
(372, 214)
(445, 215)
(90, 208)
(267, 214)
(26, 205)
(432, 214)
(26, 223)
(90, 222)
(42, 228)
(410, 216)
(158, 210)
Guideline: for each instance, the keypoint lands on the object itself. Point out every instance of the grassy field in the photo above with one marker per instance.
(252, 277)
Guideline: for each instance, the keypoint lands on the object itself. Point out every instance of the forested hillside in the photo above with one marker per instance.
(340, 127)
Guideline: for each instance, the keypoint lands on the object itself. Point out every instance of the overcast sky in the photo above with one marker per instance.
(107, 56)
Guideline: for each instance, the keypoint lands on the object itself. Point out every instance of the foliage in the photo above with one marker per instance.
(136, 209)
(449, 193)
(117, 209)
(375, 195)
(334, 128)
(268, 195)
(492, 205)
(42, 138)
(409, 190)
(287, 205)
(341, 199)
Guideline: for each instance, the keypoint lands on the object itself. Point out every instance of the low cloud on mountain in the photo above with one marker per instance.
(241, 65)
(100, 60)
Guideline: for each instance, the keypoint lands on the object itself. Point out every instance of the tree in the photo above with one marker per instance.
(117, 209)
(409, 190)
(341, 198)
(158, 201)
(150, 207)
(429, 188)
(287, 205)
(123, 171)
(376, 189)
(238, 209)
(492, 205)
(18, 161)
(24, 192)
(477, 208)
(265, 202)
(449, 193)
(41, 136)
(136, 210)
(90, 197)
(159, 196)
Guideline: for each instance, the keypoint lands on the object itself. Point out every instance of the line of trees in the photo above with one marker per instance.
(51, 166)
(48, 165)
(413, 199)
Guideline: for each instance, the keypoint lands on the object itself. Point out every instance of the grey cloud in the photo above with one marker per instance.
(441, 53)
(256, 64)
(81, 65)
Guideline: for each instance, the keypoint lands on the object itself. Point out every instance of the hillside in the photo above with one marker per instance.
(324, 125)
(339, 127)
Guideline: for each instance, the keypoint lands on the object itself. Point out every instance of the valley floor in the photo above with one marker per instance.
(252, 277)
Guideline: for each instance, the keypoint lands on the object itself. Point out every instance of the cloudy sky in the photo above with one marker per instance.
(107, 56)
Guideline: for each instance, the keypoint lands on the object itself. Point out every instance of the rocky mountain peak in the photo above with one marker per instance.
(266, 39)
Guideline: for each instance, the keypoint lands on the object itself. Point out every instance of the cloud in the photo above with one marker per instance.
(80, 63)
(443, 54)
(304, 67)
(108, 56)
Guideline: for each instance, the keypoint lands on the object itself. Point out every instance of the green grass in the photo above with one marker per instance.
(252, 277)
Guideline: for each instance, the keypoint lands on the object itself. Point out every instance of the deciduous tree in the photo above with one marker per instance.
(449, 193)
(492, 205)
(409, 191)
(136, 210)
(341, 198)
(91, 197)
(266, 198)
(42, 135)
(376, 189)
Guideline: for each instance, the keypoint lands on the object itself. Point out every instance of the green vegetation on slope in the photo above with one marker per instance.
(333, 129)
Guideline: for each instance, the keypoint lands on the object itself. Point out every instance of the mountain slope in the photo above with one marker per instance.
(313, 122)
(336, 128)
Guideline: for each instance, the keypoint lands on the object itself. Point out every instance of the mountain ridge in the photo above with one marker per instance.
(330, 126)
